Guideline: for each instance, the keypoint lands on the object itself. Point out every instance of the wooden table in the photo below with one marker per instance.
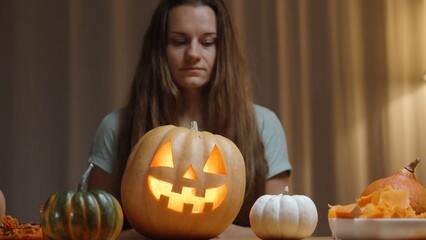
(310, 238)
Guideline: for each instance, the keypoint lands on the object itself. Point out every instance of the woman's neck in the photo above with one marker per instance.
(194, 107)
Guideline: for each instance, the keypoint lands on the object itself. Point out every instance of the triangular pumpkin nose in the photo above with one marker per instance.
(190, 173)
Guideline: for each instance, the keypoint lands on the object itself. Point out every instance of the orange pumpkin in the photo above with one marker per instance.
(2, 208)
(403, 179)
(183, 183)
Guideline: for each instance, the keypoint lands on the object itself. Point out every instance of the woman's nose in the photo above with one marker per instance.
(193, 52)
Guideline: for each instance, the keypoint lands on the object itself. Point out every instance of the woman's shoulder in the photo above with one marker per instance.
(263, 111)
(264, 115)
(110, 122)
(112, 117)
(267, 121)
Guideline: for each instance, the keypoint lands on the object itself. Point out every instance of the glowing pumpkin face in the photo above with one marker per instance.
(188, 191)
(178, 178)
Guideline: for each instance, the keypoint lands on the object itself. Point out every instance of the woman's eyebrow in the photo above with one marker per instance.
(184, 34)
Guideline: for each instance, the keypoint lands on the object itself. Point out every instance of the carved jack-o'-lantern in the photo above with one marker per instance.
(183, 183)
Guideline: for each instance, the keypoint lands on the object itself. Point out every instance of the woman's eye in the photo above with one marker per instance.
(208, 43)
(177, 42)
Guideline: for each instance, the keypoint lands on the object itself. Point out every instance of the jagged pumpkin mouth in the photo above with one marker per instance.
(186, 201)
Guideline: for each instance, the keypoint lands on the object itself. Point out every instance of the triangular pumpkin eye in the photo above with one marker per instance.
(163, 157)
(190, 173)
(215, 163)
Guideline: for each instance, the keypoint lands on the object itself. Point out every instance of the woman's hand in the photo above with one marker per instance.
(277, 183)
(130, 234)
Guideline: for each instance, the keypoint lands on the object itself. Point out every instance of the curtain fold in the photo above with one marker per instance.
(345, 78)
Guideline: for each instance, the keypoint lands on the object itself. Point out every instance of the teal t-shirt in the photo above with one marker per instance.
(270, 129)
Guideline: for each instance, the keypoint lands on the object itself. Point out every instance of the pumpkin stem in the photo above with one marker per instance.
(410, 167)
(194, 125)
(84, 177)
(286, 190)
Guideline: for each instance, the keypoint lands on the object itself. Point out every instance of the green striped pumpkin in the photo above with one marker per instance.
(79, 215)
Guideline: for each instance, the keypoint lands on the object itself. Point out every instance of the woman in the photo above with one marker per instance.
(191, 68)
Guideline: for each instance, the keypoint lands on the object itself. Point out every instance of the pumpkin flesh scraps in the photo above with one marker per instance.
(383, 203)
(10, 228)
(344, 211)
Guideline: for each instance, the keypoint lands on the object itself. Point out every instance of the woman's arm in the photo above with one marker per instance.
(274, 185)
(100, 179)
(131, 234)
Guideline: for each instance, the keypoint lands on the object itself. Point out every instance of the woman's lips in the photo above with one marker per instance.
(192, 70)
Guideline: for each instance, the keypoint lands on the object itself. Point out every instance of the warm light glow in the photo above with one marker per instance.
(187, 201)
(190, 173)
(163, 157)
(215, 163)
(177, 202)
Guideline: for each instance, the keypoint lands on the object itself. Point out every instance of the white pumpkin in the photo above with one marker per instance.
(2, 208)
(283, 216)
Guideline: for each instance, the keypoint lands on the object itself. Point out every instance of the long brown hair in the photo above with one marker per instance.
(154, 97)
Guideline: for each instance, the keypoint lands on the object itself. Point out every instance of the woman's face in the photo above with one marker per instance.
(191, 45)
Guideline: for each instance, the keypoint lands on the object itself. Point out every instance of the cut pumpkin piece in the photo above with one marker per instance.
(345, 211)
(383, 203)
(395, 199)
(374, 197)
(372, 211)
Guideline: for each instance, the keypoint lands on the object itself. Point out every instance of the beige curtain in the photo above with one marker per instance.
(344, 76)
(351, 95)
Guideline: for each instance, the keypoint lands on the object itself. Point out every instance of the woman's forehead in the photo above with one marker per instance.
(188, 18)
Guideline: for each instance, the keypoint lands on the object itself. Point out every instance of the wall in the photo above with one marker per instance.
(344, 76)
